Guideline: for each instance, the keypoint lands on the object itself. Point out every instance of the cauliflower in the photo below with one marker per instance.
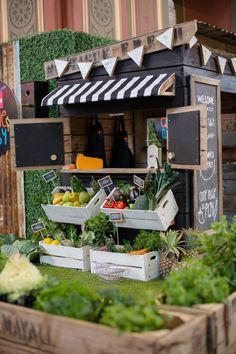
(19, 277)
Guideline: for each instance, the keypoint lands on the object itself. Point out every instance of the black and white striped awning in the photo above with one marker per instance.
(115, 89)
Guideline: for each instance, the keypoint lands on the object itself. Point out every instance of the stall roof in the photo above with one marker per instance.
(115, 89)
(215, 32)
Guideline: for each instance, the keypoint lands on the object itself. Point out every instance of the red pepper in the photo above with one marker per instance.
(109, 204)
(120, 205)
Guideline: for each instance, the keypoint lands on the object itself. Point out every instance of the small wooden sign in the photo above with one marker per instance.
(39, 226)
(138, 181)
(116, 217)
(49, 176)
(105, 181)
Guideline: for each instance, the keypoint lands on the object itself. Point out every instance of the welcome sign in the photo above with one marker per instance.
(8, 110)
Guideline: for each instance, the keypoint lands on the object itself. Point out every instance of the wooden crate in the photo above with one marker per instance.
(28, 331)
(221, 325)
(139, 267)
(75, 215)
(159, 219)
(64, 256)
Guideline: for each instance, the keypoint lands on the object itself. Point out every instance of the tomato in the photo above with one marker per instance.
(109, 204)
(120, 205)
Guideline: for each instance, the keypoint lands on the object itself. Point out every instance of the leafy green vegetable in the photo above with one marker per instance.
(87, 238)
(70, 232)
(124, 186)
(158, 184)
(220, 250)
(77, 185)
(141, 203)
(71, 300)
(195, 284)
(25, 247)
(102, 228)
(135, 317)
(147, 239)
(8, 239)
(94, 185)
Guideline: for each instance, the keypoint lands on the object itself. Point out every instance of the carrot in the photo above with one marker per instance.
(139, 252)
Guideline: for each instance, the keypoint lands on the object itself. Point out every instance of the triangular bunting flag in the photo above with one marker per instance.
(233, 64)
(166, 38)
(205, 53)
(137, 55)
(61, 66)
(109, 65)
(192, 42)
(85, 68)
(221, 64)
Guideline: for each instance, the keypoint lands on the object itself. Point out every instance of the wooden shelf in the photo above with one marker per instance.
(110, 171)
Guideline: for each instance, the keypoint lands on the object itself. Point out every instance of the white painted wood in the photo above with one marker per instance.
(137, 55)
(167, 38)
(233, 64)
(85, 68)
(221, 62)
(192, 42)
(61, 66)
(139, 267)
(110, 65)
(159, 219)
(205, 54)
(62, 262)
(75, 215)
(64, 256)
(152, 155)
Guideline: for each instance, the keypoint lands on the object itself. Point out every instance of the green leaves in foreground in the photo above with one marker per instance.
(196, 284)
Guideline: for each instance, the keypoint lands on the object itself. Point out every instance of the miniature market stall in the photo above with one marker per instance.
(170, 73)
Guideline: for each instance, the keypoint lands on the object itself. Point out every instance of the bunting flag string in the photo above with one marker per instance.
(61, 66)
(166, 38)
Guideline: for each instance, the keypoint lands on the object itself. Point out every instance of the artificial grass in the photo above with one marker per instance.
(93, 282)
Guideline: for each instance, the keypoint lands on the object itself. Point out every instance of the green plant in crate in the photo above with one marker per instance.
(220, 249)
(195, 284)
(147, 239)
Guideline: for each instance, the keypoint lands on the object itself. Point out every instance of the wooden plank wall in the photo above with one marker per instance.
(80, 128)
(11, 183)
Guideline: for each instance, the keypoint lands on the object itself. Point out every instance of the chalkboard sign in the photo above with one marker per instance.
(138, 181)
(8, 111)
(207, 199)
(116, 217)
(105, 181)
(39, 226)
(49, 176)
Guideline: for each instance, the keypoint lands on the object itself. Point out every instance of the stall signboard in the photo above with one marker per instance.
(8, 111)
(208, 183)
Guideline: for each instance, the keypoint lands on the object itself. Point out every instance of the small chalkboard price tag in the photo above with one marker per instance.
(38, 227)
(138, 181)
(116, 217)
(49, 176)
(105, 181)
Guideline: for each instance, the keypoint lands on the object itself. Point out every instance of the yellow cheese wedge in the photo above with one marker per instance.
(88, 163)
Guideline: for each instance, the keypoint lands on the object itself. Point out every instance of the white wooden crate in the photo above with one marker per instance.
(159, 219)
(75, 215)
(64, 256)
(139, 267)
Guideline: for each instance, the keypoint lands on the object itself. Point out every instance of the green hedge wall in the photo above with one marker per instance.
(34, 51)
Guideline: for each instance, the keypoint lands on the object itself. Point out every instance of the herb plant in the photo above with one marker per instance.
(147, 239)
(195, 284)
